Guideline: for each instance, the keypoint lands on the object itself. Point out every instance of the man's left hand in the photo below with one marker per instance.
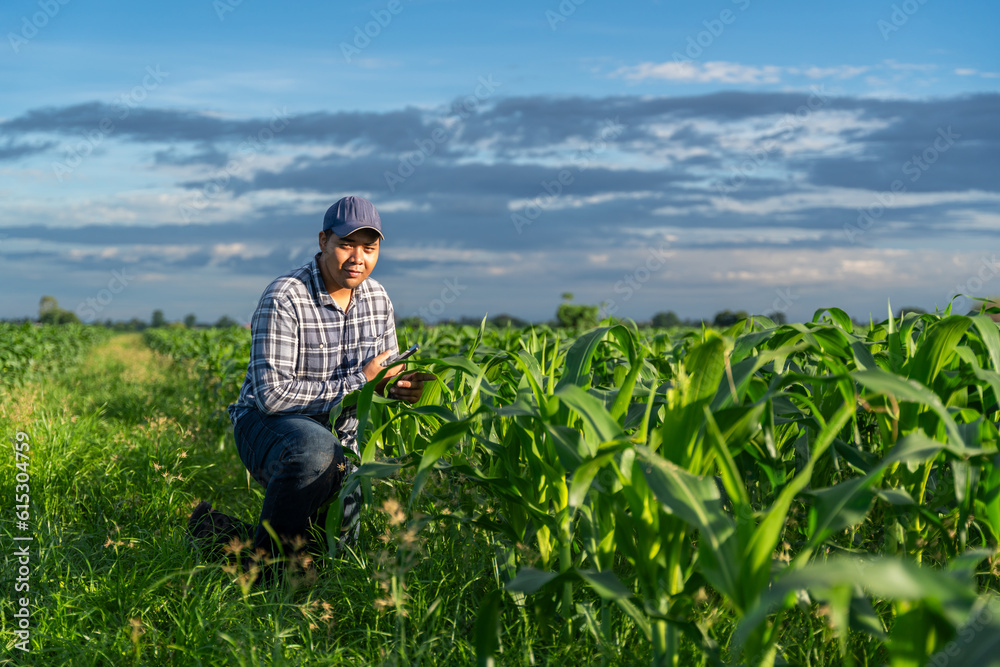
(410, 386)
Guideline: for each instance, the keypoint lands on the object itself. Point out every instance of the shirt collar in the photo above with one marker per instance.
(318, 286)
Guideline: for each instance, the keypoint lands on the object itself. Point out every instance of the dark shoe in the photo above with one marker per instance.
(212, 532)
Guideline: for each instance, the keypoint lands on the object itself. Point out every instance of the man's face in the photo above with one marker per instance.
(349, 260)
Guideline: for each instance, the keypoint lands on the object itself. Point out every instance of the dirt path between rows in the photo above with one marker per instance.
(126, 356)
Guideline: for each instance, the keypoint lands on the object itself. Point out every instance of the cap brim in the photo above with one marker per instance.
(347, 230)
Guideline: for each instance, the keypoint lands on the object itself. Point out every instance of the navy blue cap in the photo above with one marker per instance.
(351, 214)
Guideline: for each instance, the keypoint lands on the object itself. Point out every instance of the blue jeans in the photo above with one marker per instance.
(301, 465)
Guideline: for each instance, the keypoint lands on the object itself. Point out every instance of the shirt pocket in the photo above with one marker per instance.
(317, 361)
(368, 347)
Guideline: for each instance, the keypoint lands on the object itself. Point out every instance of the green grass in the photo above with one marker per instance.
(120, 454)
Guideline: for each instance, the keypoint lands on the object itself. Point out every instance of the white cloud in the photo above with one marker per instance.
(694, 72)
(840, 72)
(850, 198)
(917, 67)
(574, 201)
(881, 75)
(966, 71)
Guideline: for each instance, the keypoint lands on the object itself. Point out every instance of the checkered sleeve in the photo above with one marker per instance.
(274, 352)
(389, 341)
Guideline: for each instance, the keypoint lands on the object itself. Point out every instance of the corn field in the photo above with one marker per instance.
(810, 493)
(705, 487)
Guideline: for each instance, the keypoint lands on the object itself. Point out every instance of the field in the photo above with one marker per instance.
(809, 494)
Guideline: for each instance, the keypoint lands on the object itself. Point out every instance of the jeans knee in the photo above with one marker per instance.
(317, 459)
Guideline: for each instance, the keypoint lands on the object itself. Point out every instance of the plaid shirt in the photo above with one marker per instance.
(306, 353)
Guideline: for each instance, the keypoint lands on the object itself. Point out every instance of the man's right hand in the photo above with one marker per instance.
(374, 367)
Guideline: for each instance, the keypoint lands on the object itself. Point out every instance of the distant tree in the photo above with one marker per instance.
(46, 305)
(727, 318)
(413, 322)
(666, 320)
(49, 312)
(225, 322)
(576, 315)
(190, 320)
(158, 320)
(777, 317)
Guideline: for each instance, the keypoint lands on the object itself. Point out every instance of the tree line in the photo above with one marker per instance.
(49, 312)
(568, 314)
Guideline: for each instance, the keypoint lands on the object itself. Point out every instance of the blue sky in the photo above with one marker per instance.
(649, 156)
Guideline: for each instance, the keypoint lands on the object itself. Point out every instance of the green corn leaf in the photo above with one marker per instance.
(743, 372)
(950, 596)
(569, 444)
(487, 629)
(583, 476)
(533, 375)
(863, 356)
(593, 412)
(746, 344)
(757, 554)
(605, 584)
(624, 395)
(695, 500)
(897, 497)
(937, 348)
(637, 617)
(441, 412)
(838, 507)
(705, 364)
(530, 580)
(837, 316)
(732, 480)
(989, 333)
(979, 640)
(479, 338)
(915, 447)
(905, 389)
(580, 357)
(988, 502)
(441, 442)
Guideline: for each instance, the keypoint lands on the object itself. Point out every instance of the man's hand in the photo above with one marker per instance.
(374, 367)
(410, 387)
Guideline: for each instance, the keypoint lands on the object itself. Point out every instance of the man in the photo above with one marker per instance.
(319, 332)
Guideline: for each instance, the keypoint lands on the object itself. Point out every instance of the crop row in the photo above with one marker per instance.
(814, 465)
(30, 350)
